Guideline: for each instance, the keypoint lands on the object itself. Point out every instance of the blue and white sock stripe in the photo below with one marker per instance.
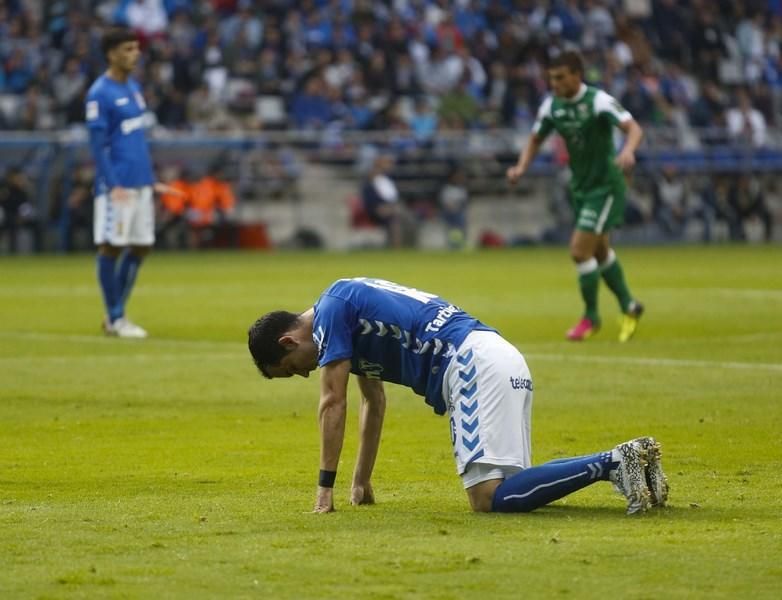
(595, 470)
(537, 486)
(542, 486)
(468, 405)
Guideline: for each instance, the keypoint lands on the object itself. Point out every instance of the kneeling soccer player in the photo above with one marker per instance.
(382, 331)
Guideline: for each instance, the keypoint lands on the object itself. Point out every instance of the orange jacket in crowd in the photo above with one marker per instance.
(207, 196)
(201, 200)
(174, 203)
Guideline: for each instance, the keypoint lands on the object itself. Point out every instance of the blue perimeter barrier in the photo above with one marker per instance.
(43, 157)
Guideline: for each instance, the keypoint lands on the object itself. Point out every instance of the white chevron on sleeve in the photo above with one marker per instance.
(366, 325)
(406, 343)
(421, 348)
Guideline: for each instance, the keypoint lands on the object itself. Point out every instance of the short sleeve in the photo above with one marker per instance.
(96, 113)
(332, 329)
(607, 105)
(385, 188)
(543, 123)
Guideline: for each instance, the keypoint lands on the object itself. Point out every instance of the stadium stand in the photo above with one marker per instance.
(282, 90)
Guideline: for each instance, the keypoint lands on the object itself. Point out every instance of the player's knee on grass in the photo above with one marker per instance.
(481, 480)
(481, 495)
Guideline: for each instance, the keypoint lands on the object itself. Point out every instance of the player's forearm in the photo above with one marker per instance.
(98, 143)
(634, 135)
(372, 412)
(331, 418)
(529, 153)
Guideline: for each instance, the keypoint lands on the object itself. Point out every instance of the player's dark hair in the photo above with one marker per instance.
(115, 36)
(263, 335)
(570, 59)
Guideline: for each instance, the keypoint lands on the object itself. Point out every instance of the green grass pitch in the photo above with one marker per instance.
(168, 467)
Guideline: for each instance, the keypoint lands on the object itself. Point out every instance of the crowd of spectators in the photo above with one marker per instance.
(199, 212)
(200, 209)
(710, 70)
(415, 65)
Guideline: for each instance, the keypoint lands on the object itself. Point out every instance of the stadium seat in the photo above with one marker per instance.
(359, 219)
(271, 110)
(363, 232)
(254, 235)
(9, 105)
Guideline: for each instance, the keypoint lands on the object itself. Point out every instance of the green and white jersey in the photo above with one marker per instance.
(586, 123)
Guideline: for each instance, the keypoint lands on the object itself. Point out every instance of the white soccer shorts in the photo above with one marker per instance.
(129, 222)
(488, 390)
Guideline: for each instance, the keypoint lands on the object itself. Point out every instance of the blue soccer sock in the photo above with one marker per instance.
(537, 486)
(108, 284)
(569, 459)
(126, 276)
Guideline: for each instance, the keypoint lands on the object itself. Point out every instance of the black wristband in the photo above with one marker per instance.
(326, 478)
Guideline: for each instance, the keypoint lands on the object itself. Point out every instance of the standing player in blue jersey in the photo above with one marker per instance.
(124, 228)
(381, 331)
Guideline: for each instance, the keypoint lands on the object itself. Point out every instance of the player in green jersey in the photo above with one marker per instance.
(585, 117)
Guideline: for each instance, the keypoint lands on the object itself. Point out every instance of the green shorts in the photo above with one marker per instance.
(599, 210)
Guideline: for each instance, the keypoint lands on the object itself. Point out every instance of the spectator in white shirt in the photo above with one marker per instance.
(745, 123)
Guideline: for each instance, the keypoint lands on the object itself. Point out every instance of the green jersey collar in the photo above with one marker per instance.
(580, 94)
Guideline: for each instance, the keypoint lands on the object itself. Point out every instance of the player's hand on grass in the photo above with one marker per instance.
(324, 502)
(625, 160)
(362, 494)
(514, 173)
(119, 194)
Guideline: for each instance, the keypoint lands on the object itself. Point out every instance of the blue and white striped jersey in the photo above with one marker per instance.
(116, 118)
(391, 332)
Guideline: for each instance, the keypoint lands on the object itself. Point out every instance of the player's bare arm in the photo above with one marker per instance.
(331, 418)
(625, 160)
(162, 188)
(485, 391)
(371, 413)
(526, 157)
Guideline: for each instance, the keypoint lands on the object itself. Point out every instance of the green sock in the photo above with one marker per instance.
(588, 281)
(614, 277)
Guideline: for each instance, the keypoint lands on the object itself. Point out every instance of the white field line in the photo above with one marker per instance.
(241, 356)
(658, 362)
(753, 293)
(102, 339)
(149, 289)
(127, 358)
(710, 340)
(240, 353)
